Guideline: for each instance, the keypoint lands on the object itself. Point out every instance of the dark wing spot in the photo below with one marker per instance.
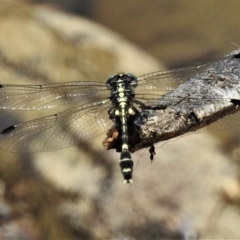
(8, 130)
(237, 55)
(1, 86)
(235, 101)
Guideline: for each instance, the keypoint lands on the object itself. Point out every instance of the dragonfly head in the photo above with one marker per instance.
(128, 80)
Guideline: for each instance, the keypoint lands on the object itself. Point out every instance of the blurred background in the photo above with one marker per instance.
(177, 33)
(190, 191)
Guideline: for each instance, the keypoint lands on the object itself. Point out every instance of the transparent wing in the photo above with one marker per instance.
(153, 97)
(225, 123)
(170, 79)
(37, 97)
(57, 131)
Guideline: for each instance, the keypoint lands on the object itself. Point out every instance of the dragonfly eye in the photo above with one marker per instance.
(132, 79)
(131, 76)
(111, 82)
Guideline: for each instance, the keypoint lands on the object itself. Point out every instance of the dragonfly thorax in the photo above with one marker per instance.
(121, 87)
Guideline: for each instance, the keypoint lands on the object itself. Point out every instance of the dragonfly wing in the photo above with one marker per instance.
(170, 79)
(57, 131)
(225, 123)
(37, 97)
(165, 99)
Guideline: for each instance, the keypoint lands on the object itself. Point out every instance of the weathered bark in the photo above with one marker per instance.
(206, 97)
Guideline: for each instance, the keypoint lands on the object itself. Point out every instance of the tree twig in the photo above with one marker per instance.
(206, 97)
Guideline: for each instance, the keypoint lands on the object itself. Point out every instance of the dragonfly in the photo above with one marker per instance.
(118, 101)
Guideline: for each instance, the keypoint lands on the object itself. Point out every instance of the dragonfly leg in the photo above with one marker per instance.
(152, 152)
